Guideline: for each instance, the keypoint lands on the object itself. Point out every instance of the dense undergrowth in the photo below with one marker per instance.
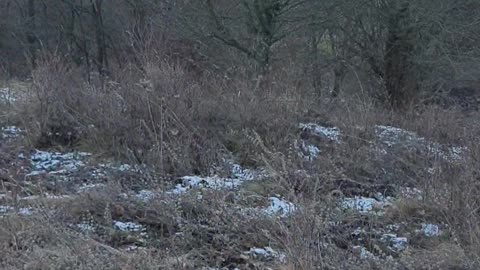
(176, 123)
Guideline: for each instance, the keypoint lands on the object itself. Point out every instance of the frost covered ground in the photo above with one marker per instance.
(391, 238)
(52, 177)
(7, 96)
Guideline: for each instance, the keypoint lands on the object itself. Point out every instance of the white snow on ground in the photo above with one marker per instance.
(456, 152)
(386, 235)
(178, 189)
(276, 207)
(131, 227)
(307, 151)
(312, 151)
(376, 206)
(145, 195)
(25, 211)
(216, 268)
(392, 136)
(332, 133)
(64, 163)
(11, 132)
(6, 210)
(267, 253)
(58, 163)
(430, 230)
(238, 177)
(6, 96)
(127, 226)
(121, 167)
(125, 167)
(88, 187)
(131, 248)
(364, 254)
(365, 205)
(388, 135)
(411, 193)
(245, 174)
(396, 243)
(55, 162)
(214, 182)
(85, 227)
(393, 227)
(46, 196)
(279, 207)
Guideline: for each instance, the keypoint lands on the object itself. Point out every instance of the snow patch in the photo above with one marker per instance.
(178, 189)
(213, 182)
(145, 195)
(131, 248)
(430, 230)
(127, 226)
(279, 207)
(238, 177)
(122, 167)
(10, 132)
(244, 174)
(456, 153)
(330, 133)
(411, 193)
(364, 254)
(365, 205)
(393, 227)
(25, 211)
(6, 210)
(307, 151)
(56, 163)
(392, 136)
(6, 96)
(267, 253)
(85, 227)
(46, 196)
(396, 243)
(88, 187)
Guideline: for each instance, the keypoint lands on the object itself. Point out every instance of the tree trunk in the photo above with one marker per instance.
(339, 74)
(399, 80)
(315, 66)
(101, 60)
(30, 32)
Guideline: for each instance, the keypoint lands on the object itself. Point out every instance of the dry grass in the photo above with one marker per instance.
(180, 123)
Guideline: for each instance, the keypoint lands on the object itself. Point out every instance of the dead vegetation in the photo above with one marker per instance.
(177, 124)
(297, 135)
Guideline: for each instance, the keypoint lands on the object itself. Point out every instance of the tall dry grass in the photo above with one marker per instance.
(181, 123)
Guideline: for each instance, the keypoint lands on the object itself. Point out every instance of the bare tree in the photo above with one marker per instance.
(251, 27)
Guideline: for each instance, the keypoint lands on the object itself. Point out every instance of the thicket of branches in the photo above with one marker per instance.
(399, 48)
(182, 85)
